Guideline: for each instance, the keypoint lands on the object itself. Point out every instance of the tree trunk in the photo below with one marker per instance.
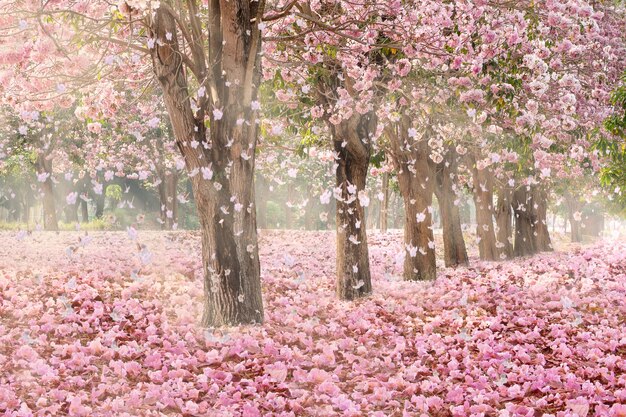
(16, 210)
(288, 209)
(26, 209)
(70, 211)
(351, 140)
(172, 187)
(540, 205)
(525, 220)
(416, 179)
(162, 203)
(576, 231)
(455, 252)
(168, 200)
(223, 184)
(384, 204)
(371, 215)
(504, 224)
(100, 201)
(419, 260)
(573, 210)
(50, 221)
(44, 166)
(395, 210)
(483, 200)
(84, 209)
(465, 212)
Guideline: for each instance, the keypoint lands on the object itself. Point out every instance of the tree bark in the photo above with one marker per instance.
(84, 208)
(15, 210)
(384, 204)
(351, 139)
(100, 202)
(168, 199)
(504, 223)
(573, 209)
(416, 179)
(419, 264)
(372, 214)
(44, 166)
(483, 200)
(394, 210)
(525, 220)
(455, 251)
(26, 209)
(289, 210)
(540, 205)
(465, 212)
(223, 173)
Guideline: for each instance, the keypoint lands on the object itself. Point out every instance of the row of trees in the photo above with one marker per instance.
(503, 98)
(284, 202)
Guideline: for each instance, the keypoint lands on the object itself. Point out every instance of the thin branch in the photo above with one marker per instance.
(122, 43)
(280, 14)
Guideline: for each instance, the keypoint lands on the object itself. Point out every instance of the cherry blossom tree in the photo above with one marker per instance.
(209, 81)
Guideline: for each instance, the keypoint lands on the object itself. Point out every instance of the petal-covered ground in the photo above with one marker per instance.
(106, 325)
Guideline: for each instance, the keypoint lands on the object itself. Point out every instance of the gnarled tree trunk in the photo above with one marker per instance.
(540, 205)
(416, 181)
(384, 204)
(168, 199)
(455, 252)
(351, 139)
(223, 180)
(503, 212)
(574, 207)
(419, 260)
(525, 221)
(483, 200)
(44, 166)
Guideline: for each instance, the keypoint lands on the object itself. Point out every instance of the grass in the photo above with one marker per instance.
(93, 225)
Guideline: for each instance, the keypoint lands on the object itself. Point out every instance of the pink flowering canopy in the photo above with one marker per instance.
(312, 208)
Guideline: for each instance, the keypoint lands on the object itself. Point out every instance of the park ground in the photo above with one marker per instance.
(106, 323)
